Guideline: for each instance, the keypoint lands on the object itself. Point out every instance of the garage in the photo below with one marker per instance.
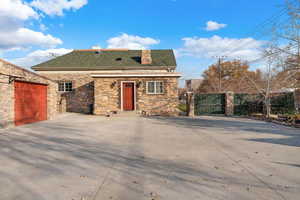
(25, 97)
(30, 102)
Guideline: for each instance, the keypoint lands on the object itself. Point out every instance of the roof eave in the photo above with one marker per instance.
(36, 68)
(132, 75)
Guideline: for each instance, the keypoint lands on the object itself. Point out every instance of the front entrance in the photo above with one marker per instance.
(128, 96)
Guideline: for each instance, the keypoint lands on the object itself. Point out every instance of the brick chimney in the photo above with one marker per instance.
(146, 57)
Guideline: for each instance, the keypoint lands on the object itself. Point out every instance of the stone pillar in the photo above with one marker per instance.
(190, 104)
(229, 103)
(297, 100)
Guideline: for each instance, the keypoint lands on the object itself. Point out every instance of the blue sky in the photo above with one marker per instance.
(40, 29)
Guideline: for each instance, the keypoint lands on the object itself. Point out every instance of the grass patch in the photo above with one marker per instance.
(182, 107)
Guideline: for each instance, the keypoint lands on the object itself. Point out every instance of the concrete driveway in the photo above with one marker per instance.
(78, 157)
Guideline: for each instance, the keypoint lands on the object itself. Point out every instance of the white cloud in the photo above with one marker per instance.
(13, 13)
(24, 38)
(39, 56)
(244, 48)
(14, 35)
(131, 42)
(16, 9)
(213, 26)
(43, 27)
(56, 7)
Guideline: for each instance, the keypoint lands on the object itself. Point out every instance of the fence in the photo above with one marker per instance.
(283, 103)
(209, 104)
(244, 104)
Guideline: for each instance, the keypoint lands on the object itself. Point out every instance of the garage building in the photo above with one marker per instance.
(25, 97)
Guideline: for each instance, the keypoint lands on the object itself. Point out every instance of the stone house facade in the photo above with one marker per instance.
(105, 81)
(81, 98)
(9, 75)
(108, 97)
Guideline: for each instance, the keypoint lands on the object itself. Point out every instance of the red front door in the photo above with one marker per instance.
(30, 102)
(128, 96)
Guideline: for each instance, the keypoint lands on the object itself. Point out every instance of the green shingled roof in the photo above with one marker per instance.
(108, 60)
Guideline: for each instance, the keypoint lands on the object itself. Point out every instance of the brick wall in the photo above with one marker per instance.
(81, 98)
(7, 92)
(108, 96)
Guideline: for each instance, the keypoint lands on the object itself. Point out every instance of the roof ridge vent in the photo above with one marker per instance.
(101, 49)
(114, 49)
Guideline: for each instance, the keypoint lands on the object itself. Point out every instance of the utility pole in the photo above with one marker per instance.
(220, 73)
(220, 61)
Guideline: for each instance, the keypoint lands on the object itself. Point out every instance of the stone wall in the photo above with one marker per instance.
(108, 96)
(229, 103)
(81, 99)
(7, 114)
(190, 104)
(297, 99)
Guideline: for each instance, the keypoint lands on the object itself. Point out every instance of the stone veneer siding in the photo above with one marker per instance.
(7, 114)
(297, 100)
(108, 96)
(81, 99)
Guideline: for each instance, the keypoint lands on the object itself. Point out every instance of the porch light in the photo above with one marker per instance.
(139, 84)
(12, 78)
(113, 84)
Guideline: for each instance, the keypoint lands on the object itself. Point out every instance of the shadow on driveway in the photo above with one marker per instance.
(238, 126)
(52, 149)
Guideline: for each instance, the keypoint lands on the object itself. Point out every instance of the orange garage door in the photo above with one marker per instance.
(30, 102)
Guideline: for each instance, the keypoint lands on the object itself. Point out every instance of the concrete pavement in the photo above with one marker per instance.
(131, 158)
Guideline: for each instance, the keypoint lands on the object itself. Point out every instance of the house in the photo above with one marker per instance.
(25, 97)
(100, 81)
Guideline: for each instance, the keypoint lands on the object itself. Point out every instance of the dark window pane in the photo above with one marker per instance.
(68, 86)
(159, 87)
(61, 87)
(151, 87)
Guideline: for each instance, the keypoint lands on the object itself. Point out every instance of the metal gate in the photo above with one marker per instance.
(209, 104)
(283, 103)
(246, 104)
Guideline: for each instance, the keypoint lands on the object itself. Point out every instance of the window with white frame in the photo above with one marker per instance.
(65, 86)
(155, 87)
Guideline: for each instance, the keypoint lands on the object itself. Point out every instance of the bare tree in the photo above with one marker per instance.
(282, 55)
(286, 37)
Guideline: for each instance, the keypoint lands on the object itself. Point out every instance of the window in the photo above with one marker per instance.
(155, 87)
(66, 86)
